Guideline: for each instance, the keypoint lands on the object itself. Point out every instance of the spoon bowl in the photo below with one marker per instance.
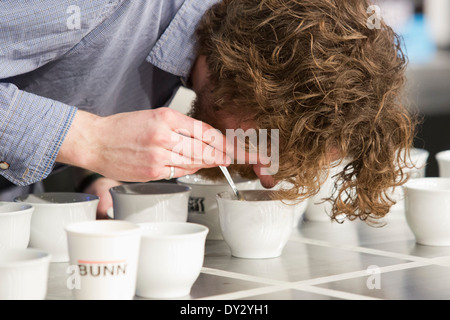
(231, 182)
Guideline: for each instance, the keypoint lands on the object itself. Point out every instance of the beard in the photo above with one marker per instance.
(205, 110)
(236, 170)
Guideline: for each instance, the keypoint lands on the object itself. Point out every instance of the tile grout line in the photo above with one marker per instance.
(304, 285)
(360, 273)
(242, 276)
(363, 250)
(271, 289)
(244, 293)
(431, 261)
(444, 263)
(334, 293)
(310, 284)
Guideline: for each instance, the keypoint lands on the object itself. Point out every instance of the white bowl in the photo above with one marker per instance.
(256, 228)
(53, 211)
(427, 210)
(202, 202)
(171, 258)
(23, 274)
(15, 224)
(150, 202)
(299, 211)
(300, 207)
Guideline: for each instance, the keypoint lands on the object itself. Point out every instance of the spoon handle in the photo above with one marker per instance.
(230, 181)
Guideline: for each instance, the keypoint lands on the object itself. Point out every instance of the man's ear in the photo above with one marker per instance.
(199, 74)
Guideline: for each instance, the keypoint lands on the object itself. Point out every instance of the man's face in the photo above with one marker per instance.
(203, 109)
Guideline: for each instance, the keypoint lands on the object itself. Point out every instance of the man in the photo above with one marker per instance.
(66, 63)
(311, 69)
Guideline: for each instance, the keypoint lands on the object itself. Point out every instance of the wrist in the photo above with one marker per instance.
(81, 143)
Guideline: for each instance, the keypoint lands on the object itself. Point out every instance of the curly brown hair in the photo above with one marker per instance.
(314, 70)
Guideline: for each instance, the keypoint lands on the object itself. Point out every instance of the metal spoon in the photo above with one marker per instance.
(230, 181)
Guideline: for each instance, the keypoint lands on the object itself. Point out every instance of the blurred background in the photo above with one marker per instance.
(424, 26)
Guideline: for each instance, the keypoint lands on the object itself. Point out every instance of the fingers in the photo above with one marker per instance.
(179, 172)
(195, 152)
(192, 138)
(209, 160)
(195, 129)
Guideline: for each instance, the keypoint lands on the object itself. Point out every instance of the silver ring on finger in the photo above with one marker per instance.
(172, 173)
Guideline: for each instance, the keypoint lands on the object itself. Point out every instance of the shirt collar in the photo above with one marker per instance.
(174, 52)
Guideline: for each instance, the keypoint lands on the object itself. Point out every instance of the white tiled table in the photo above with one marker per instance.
(322, 260)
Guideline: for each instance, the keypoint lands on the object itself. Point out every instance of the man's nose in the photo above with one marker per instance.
(267, 181)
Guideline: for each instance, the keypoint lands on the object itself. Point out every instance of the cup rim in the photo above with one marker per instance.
(39, 257)
(237, 180)
(420, 150)
(25, 208)
(77, 229)
(201, 229)
(83, 198)
(219, 196)
(178, 189)
(415, 184)
(442, 155)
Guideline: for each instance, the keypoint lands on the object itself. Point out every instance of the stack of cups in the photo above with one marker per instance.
(23, 271)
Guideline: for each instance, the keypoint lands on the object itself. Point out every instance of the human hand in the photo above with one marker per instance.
(141, 146)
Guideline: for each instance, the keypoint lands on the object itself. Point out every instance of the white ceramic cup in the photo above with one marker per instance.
(105, 254)
(443, 160)
(150, 202)
(15, 224)
(52, 212)
(202, 202)
(419, 158)
(23, 274)
(171, 258)
(427, 210)
(300, 206)
(416, 169)
(299, 211)
(317, 208)
(256, 228)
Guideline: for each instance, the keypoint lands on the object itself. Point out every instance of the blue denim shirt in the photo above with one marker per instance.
(102, 56)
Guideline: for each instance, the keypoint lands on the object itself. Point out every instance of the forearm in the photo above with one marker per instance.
(80, 146)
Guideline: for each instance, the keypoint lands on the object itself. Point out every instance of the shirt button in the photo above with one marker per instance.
(4, 165)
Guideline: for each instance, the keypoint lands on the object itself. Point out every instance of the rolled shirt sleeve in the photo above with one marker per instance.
(32, 129)
(32, 34)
